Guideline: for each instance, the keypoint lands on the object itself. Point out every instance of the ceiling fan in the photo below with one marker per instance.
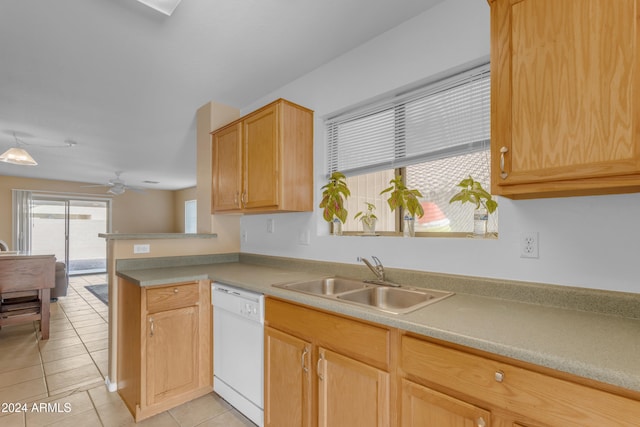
(117, 186)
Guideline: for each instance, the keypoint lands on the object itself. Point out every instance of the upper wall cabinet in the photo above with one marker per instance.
(263, 162)
(565, 115)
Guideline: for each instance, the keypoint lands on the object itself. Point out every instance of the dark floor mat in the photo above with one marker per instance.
(101, 291)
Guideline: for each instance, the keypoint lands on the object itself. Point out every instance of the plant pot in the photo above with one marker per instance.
(480, 219)
(336, 227)
(409, 229)
(369, 226)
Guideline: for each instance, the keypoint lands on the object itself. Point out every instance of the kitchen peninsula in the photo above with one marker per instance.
(150, 246)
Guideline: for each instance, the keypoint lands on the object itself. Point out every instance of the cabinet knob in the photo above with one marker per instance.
(503, 173)
(175, 290)
(499, 376)
(481, 422)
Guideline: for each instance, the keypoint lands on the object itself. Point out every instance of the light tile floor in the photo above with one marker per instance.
(60, 382)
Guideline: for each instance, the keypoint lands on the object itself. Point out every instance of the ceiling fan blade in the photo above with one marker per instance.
(96, 185)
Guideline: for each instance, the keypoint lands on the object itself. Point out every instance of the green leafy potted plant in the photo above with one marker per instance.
(402, 197)
(368, 218)
(471, 191)
(334, 194)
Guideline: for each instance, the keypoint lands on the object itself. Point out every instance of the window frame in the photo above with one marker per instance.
(398, 105)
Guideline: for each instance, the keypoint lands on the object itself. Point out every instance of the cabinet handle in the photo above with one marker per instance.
(303, 360)
(235, 198)
(151, 327)
(320, 359)
(499, 376)
(503, 173)
(243, 199)
(481, 422)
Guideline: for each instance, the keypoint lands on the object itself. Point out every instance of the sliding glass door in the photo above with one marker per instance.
(68, 228)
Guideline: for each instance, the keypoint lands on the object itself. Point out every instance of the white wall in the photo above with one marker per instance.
(590, 242)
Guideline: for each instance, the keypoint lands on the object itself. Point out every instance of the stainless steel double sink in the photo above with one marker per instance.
(384, 297)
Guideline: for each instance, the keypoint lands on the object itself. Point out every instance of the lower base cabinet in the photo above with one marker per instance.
(424, 407)
(328, 370)
(287, 377)
(324, 370)
(164, 345)
(452, 387)
(351, 393)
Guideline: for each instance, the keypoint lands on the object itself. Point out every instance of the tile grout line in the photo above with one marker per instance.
(95, 408)
(72, 285)
(70, 392)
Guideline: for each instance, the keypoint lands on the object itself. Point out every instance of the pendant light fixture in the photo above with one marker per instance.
(164, 6)
(17, 155)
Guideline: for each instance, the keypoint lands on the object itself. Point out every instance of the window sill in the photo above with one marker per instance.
(465, 235)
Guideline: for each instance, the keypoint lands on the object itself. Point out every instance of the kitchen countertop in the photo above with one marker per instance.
(153, 236)
(602, 347)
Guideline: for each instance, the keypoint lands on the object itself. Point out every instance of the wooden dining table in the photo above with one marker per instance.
(25, 289)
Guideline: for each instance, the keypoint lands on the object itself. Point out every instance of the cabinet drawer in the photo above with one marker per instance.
(170, 297)
(362, 341)
(554, 401)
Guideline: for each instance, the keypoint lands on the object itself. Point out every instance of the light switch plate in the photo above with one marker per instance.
(304, 237)
(141, 249)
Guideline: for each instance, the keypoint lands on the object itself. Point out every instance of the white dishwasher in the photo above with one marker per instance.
(238, 349)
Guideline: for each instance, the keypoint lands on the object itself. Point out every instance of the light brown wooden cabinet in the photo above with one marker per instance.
(324, 370)
(350, 393)
(287, 373)
(473, 387)
(227, 168)
(565, 79)
(424, 407)
(263, 162)
(164, 345)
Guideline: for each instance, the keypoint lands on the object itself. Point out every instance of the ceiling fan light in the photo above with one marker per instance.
(17, 156)
(164, 6)
(116, 190)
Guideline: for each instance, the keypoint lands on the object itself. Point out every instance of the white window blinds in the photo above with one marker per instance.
(443, 119)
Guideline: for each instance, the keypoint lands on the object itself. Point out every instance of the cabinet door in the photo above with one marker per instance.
(172, 353)
(565, 96)
(423, 407)
(261, 159)
(287, 380)
(227, 169)
(351, 393)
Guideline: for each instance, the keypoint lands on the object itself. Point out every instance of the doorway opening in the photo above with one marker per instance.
(68, 227)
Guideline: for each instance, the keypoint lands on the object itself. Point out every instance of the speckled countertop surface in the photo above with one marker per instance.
(602, 347)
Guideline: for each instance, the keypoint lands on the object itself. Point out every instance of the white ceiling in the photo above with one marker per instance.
(124, 81)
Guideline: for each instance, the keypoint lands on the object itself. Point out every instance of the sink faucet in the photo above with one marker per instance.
(378, 270)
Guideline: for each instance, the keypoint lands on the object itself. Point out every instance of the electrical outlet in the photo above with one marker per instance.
(245, 236)
(271, 225)
(529, 245)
